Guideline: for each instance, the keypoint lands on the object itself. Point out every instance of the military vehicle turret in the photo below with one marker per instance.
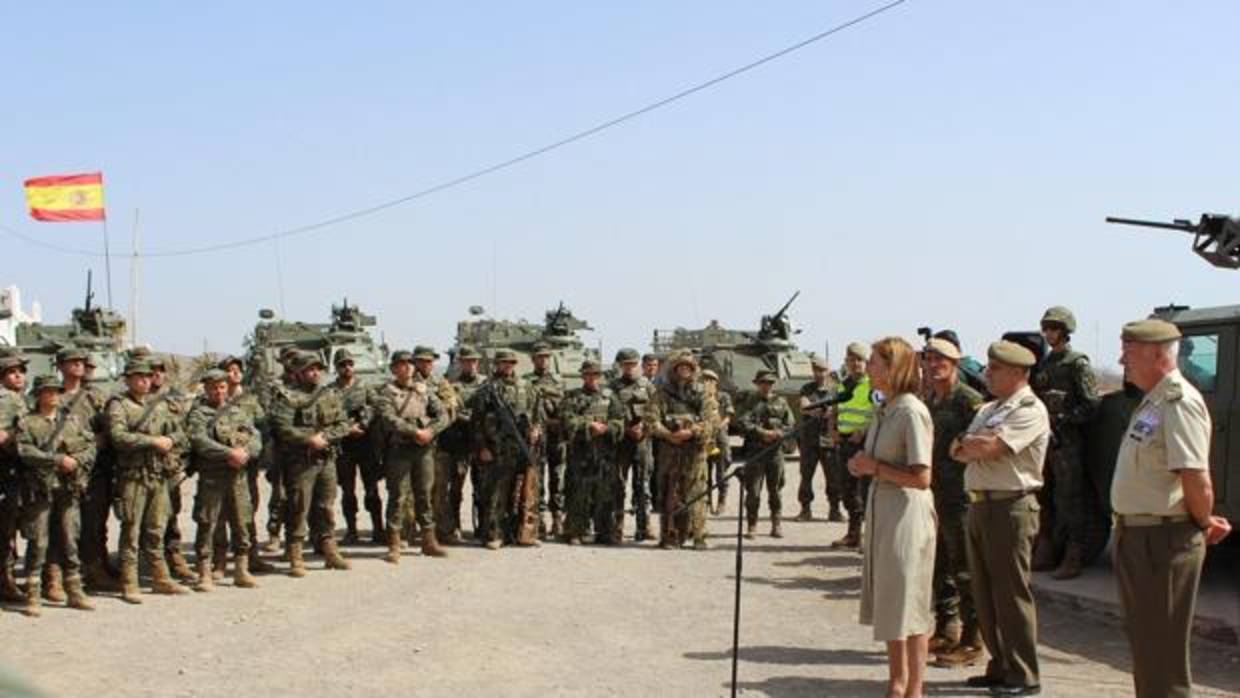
(559, 330)
(347, 330)
(99, 331)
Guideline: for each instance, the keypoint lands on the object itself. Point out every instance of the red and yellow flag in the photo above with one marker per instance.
(63, 198)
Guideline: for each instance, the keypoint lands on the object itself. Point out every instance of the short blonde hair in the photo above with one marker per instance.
(904, 365)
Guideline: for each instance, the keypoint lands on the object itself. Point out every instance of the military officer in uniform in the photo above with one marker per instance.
(594, 419)
(357, 452)
(248, 402)
(1163, 501)
(634, 458)
(551, 392)
(683, 418)
(1005, 449)
(178, 403)
(454, 457)
(765, 426)
(816, 445)
(12, 408)
(1065, 383)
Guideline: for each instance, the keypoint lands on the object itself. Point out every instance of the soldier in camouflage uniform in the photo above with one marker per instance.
(510, 480)
(764, 425)
(277, 504)
(424, 359)
(957, 638)
(816, 444)
(12, 408)
(248, 402)
(357, 452)
(1066, 385)
(412, 416)
(88, 403)
(309, 423)
(634, 458)
(594, 418)
(553, 453)
(454, 457)
(719, 454)
(223, 442)
(57, 452)
(684, 419)
(149, 440)
(179, 403)
(651, 365)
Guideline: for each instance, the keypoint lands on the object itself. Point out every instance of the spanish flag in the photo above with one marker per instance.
(62, 198)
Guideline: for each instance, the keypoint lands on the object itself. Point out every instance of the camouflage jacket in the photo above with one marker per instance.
(445, 391)
(582, 407)
(1066, 385)
(215, 431)
(133, 427)
(456, 439)
(769, 414)
(41, 458)
(634, 396)
(297, 414)
(12, 407)
(551, 392)
(360, 408)
(406, 409)
(952, 415)
(520, 396)
(675, 407)
(814, 427)
(88, 404)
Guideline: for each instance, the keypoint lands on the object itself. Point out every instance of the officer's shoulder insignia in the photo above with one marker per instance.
(1174, 391)
(1027, 401)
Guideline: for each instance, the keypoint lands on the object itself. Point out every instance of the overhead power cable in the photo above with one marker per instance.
(505, 164)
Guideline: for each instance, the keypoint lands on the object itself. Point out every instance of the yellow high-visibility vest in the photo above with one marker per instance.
(855, 415)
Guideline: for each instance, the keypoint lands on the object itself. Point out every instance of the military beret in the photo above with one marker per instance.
(710, 375)
(1151, 331)
(626, 354)
(1011, 353)
(401, 355)
(819, 363)
(503, 355)
(229, 361)
(214, 375)
(859, 350)
(590, 367)
(342, 356)
(307, 359)
(138, 367)
(764, 376)
(45, 382)
(542, 349)
(943, 348)
(425, 353)
(71, 354)
(468, 352)
(12, 361)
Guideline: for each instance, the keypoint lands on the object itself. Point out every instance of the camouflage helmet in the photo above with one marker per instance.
(1061, 315)
(47, 382)
(626, 355)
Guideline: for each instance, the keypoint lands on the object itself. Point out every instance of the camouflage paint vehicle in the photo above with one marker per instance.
(559, 330)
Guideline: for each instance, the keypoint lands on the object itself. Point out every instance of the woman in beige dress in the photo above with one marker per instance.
(900, 522)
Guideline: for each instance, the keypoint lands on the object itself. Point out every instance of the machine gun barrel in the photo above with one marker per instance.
(784, 309)
(1179, 224)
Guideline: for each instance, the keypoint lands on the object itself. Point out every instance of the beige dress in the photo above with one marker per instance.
(898, 569)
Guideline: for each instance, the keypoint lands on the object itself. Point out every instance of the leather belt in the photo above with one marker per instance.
(997, 495)
(1137, 520)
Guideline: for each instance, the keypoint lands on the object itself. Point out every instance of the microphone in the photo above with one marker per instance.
(830, 400)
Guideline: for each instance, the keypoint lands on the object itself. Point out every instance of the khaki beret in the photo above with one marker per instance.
(1151, 331)
(943, 348)
(859, 350)
(1012, 354)
(818, 363)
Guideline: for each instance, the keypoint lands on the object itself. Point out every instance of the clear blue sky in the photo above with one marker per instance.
(949, 163)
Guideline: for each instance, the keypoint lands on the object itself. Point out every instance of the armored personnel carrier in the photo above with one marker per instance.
(347, 330)
(559, 330)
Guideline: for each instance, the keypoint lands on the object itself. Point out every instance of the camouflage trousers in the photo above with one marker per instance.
(51, 525)
(634, 465)
(223, 496)
(591, 499)
(682, 476)
(505, 507)
(225, 515)
(358, 458)
(768, 471)
(554, 467)
(172, 532)
(310, 499)
(719, 460)
(815, 457)
(96, 507)
(277, 505)
(952, 585)
(143, 510)
(449, 490)
(1063, 495)
(10, 518)
(410, 475)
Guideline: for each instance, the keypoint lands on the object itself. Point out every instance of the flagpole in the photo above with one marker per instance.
(135, 279)
(107, 251)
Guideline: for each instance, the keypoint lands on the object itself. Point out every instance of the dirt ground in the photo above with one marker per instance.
(579, 621)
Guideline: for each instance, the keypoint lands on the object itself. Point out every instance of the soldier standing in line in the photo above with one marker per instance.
(550, 390)
(424, 359)
(594, 419)
(412, 417)
(504, 404)
(634, 459)
(816, 445)
(57, 452)
(178, 404)
(277, 505)
(651, 365)
(309, 423)
(719, 457)
(357, 452)
(12, 408)
(148, 439)
(454, 458)
(764, 425)
(1163, 500)
(233, 367)
(1066, 385)
(683, 418)
(957, 639)
(852, 418)
(223, 441)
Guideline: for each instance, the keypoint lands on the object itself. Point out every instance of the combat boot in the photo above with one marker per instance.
(776, 529)
(647, 530)
(946, 635)
(967, 652)
(806, 514)
(31, 597)
(257, 564)
(162, 582)
(219, 563)
(393, 543)
(493, 544)
(206, 580)
(557, 525)
(77, 598)
(180, 566)
(700, 543)
(9, 589)
(296, 562)
(273, 542)
(350, 530)
(751, 528)
(129, 584)
(851, 539)
(53, 589)
(96, 577)
(1070, 567)
(333, 560)
(241, 572)
(1043, 554)
(836, 515)
(430, 544)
